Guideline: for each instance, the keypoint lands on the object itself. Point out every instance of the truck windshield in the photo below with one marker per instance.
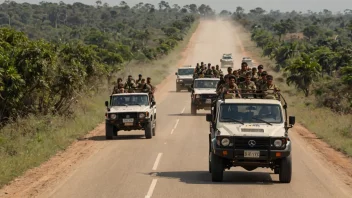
(189, 71)
(227, 57)
(208, 84)
(251, 113)
(129, 100)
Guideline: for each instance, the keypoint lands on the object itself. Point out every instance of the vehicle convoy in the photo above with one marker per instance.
(226, 60)
(248, 60)
(203, 91)
(130, 111)
(184, 77)
(250, 133)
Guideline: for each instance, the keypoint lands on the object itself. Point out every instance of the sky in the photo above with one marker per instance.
(218, 5)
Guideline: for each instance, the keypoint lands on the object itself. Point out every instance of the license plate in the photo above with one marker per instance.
(252, 154)
(129, 124)
(128, 120)
(208, 101)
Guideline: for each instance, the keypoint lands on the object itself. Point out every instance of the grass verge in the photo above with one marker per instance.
(30, 141)
(333, 128)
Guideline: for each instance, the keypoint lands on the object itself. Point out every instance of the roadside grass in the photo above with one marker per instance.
(333, 128)
(30, 141)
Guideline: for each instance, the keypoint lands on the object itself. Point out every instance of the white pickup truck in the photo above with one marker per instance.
(130, 111)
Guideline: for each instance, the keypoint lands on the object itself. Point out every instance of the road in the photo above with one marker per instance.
(175, 162)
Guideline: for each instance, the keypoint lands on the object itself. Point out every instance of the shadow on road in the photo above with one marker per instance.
(187, 114)
(119, 137)
(230, 177)
(183, 91)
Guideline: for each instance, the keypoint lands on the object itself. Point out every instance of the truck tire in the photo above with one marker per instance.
(109, 131)
(193, 109)
(148, 130)
(217, 168)
(115, 130)
(178, 88)
(285, 173)
(154, 129)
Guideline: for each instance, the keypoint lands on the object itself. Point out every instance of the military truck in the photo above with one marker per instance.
(248, 60)
(184, 77)
(203, 91)
(226, 60)
(250, 133)
(130, 111)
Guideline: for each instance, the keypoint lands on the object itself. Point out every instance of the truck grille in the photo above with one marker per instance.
(260, 143)
(127, 115)
(204, 96)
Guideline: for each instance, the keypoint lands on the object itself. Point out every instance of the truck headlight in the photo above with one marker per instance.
(225, 141)
(197, 96)
(278, 143)
(141, 115)
(113, 116)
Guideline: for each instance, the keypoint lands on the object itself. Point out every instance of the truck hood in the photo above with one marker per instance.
(253, 129)
(135, 108)
(204, 91)
(185, 77)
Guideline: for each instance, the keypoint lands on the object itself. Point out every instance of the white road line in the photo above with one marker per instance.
(176, 123)
(172, 131)
(156, 163)
(151, 188)
(183, 110)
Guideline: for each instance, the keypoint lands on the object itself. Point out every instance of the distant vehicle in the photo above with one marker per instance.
(250, 133)
(184, 77)
(226, 60)
(248, 60)
(203, 92)
(130, 111)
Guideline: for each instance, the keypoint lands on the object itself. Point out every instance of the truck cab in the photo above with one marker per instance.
(250, 133)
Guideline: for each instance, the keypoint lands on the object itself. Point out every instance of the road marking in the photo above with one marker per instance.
(183, 110)
(172, 131)
(156, 163)
(151, 188)
(176, 123)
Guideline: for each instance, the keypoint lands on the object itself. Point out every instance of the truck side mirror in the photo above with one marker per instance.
(208, 117)
(153, 103)
(292, 120)
(175, 73)
(106, 103)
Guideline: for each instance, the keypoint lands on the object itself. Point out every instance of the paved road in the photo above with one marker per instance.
(175, 162)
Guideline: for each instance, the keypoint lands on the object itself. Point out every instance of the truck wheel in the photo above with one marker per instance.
(154, 129)
(217, 168)
(148, 130)
(178, 89)
(109, 131)
(115, 131)
(193, 109)
(209, 162)
(285, 173)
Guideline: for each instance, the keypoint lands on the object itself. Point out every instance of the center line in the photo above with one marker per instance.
(156, 163)
(151, 188)
(176, 123)
(183, 110)
(172, 131)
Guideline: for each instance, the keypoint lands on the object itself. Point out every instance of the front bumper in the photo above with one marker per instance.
(204, 102)
(131, 123)
(267, 153)
(184, 82)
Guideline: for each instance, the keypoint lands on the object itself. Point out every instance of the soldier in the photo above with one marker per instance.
(242, 73)
(231, 87)
(218, 69)
(262, 80)
(118, 88)
(130, 85)
(254, 74)
(221, 83)
(269, 88)
(229, 72)
(139, 79)
(215, 72)
(248, 86)
(209, 71)
(260, 70)
(141, 84)
(149, 88)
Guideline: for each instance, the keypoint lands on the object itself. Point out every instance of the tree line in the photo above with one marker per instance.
(314, 50)
(52, 52)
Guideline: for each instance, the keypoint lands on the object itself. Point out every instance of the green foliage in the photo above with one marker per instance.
(308, 46)
(53, 53)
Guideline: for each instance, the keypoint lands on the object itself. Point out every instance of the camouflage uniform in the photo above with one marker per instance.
(268, 90)
(246, 87)
(242, 75)
(149, 88)
(118, 88)
(216, 73)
